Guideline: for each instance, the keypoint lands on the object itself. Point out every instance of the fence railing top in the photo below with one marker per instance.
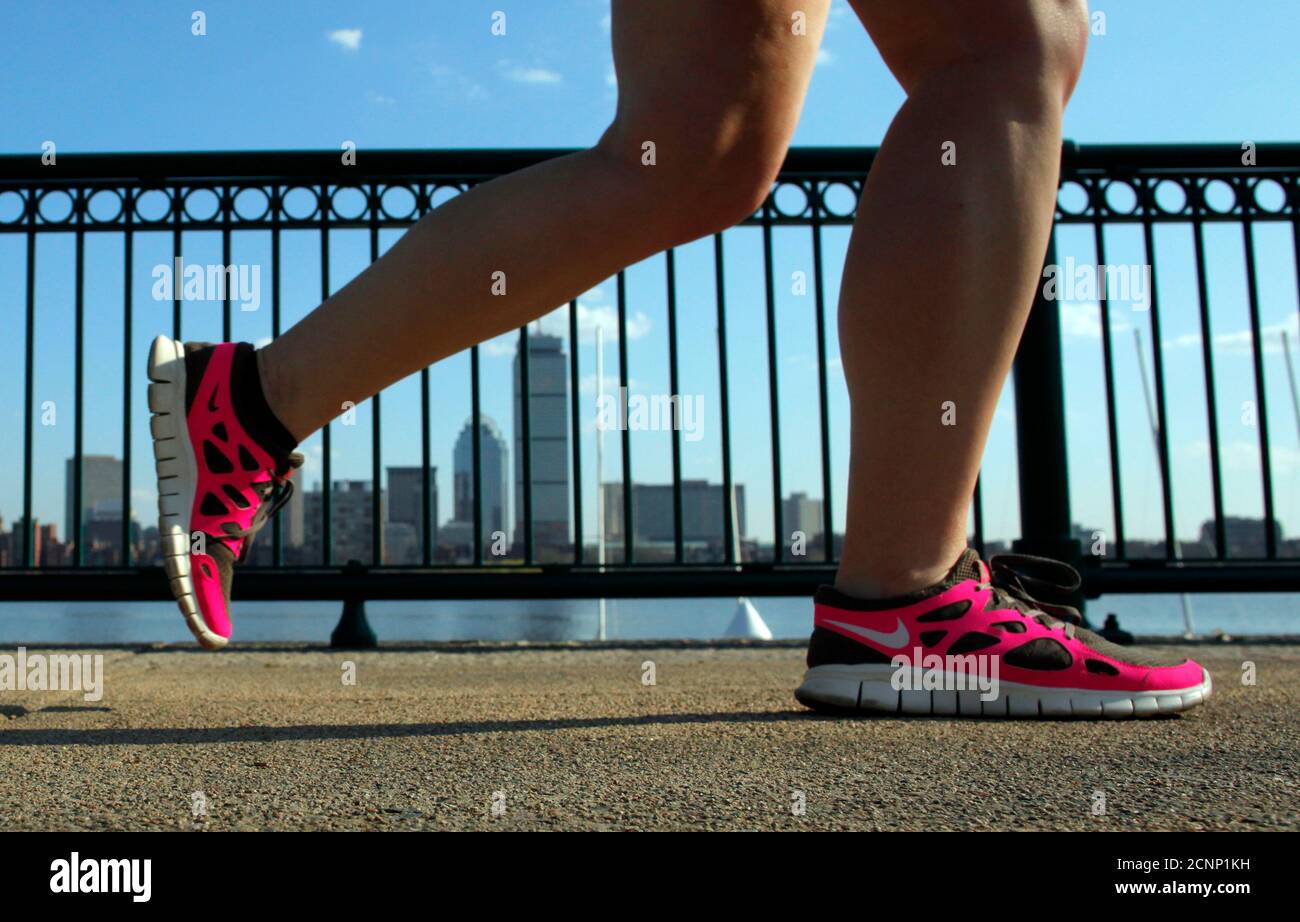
(482, 162)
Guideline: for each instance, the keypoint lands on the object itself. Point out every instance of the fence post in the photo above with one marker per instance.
(1045, 526)
(353, 632)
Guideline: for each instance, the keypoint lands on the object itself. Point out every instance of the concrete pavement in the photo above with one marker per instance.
(573, 738)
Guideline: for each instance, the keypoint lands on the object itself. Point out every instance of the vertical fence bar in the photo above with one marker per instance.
(476, 445)
(1040, 431)
(426, 473)
(1158, 367)
(576, 425)
(78, 386)
(724, 404)
(674, 389)
(29, 374)
(1211, 398)
(769, 294)
(427, 522)
(226, 330)
(1112, 420)
(623, 378)
(128, 365)
(1295, 246)
(327, 497)
(277, 532)
(823, 399)
(178, 211)
(525, 398)
(977, 505)
(1257, 362)
(376, 443)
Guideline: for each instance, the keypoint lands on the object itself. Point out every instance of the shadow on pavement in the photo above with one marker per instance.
(135, 736)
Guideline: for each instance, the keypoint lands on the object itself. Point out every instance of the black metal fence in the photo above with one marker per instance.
(234, 193)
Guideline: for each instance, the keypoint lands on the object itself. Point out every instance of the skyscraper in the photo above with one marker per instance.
(101, 494)
(494, 461)
(405, 527)
(801, 514)
(548, 419)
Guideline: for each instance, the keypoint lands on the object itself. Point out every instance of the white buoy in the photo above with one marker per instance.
(747, 622)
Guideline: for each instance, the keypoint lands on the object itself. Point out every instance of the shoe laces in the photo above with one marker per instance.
(273, 494)
(1019, 582)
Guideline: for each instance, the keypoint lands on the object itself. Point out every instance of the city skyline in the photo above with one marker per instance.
(703, 528)
(402, 507)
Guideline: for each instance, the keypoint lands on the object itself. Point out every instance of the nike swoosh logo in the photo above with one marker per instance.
(212, 401)
(895, 641)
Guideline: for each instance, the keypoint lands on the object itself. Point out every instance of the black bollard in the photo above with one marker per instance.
(1113, 632)
(353, 632)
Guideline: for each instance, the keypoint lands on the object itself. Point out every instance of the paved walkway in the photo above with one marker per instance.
(573, 739)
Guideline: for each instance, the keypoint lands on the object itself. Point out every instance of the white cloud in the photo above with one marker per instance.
(605, 317)
(501, 346)
(1239, 342)
(590, 317)
(533, 75)
(1082, 320)
(1242, 456)
(347, 39)
(825, 58)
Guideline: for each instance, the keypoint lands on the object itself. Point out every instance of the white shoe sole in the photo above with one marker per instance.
(868, 688)
(177, 478)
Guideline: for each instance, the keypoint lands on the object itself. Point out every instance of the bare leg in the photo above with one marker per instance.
(715, 87)
(942, 266)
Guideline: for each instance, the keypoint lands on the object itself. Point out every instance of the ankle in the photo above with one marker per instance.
(880, 586)
(883, 578)
(280, 425)
(273, 392)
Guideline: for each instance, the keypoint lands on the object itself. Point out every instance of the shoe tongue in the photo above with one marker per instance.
(968, 566)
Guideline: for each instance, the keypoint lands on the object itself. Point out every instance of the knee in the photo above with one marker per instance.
(700, 177)
(1055, 39)
(1027, 50)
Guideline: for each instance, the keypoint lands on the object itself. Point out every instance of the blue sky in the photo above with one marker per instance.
(430, 74)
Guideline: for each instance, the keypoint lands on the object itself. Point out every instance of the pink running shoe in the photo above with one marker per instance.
(979, 645)
(224, 463)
